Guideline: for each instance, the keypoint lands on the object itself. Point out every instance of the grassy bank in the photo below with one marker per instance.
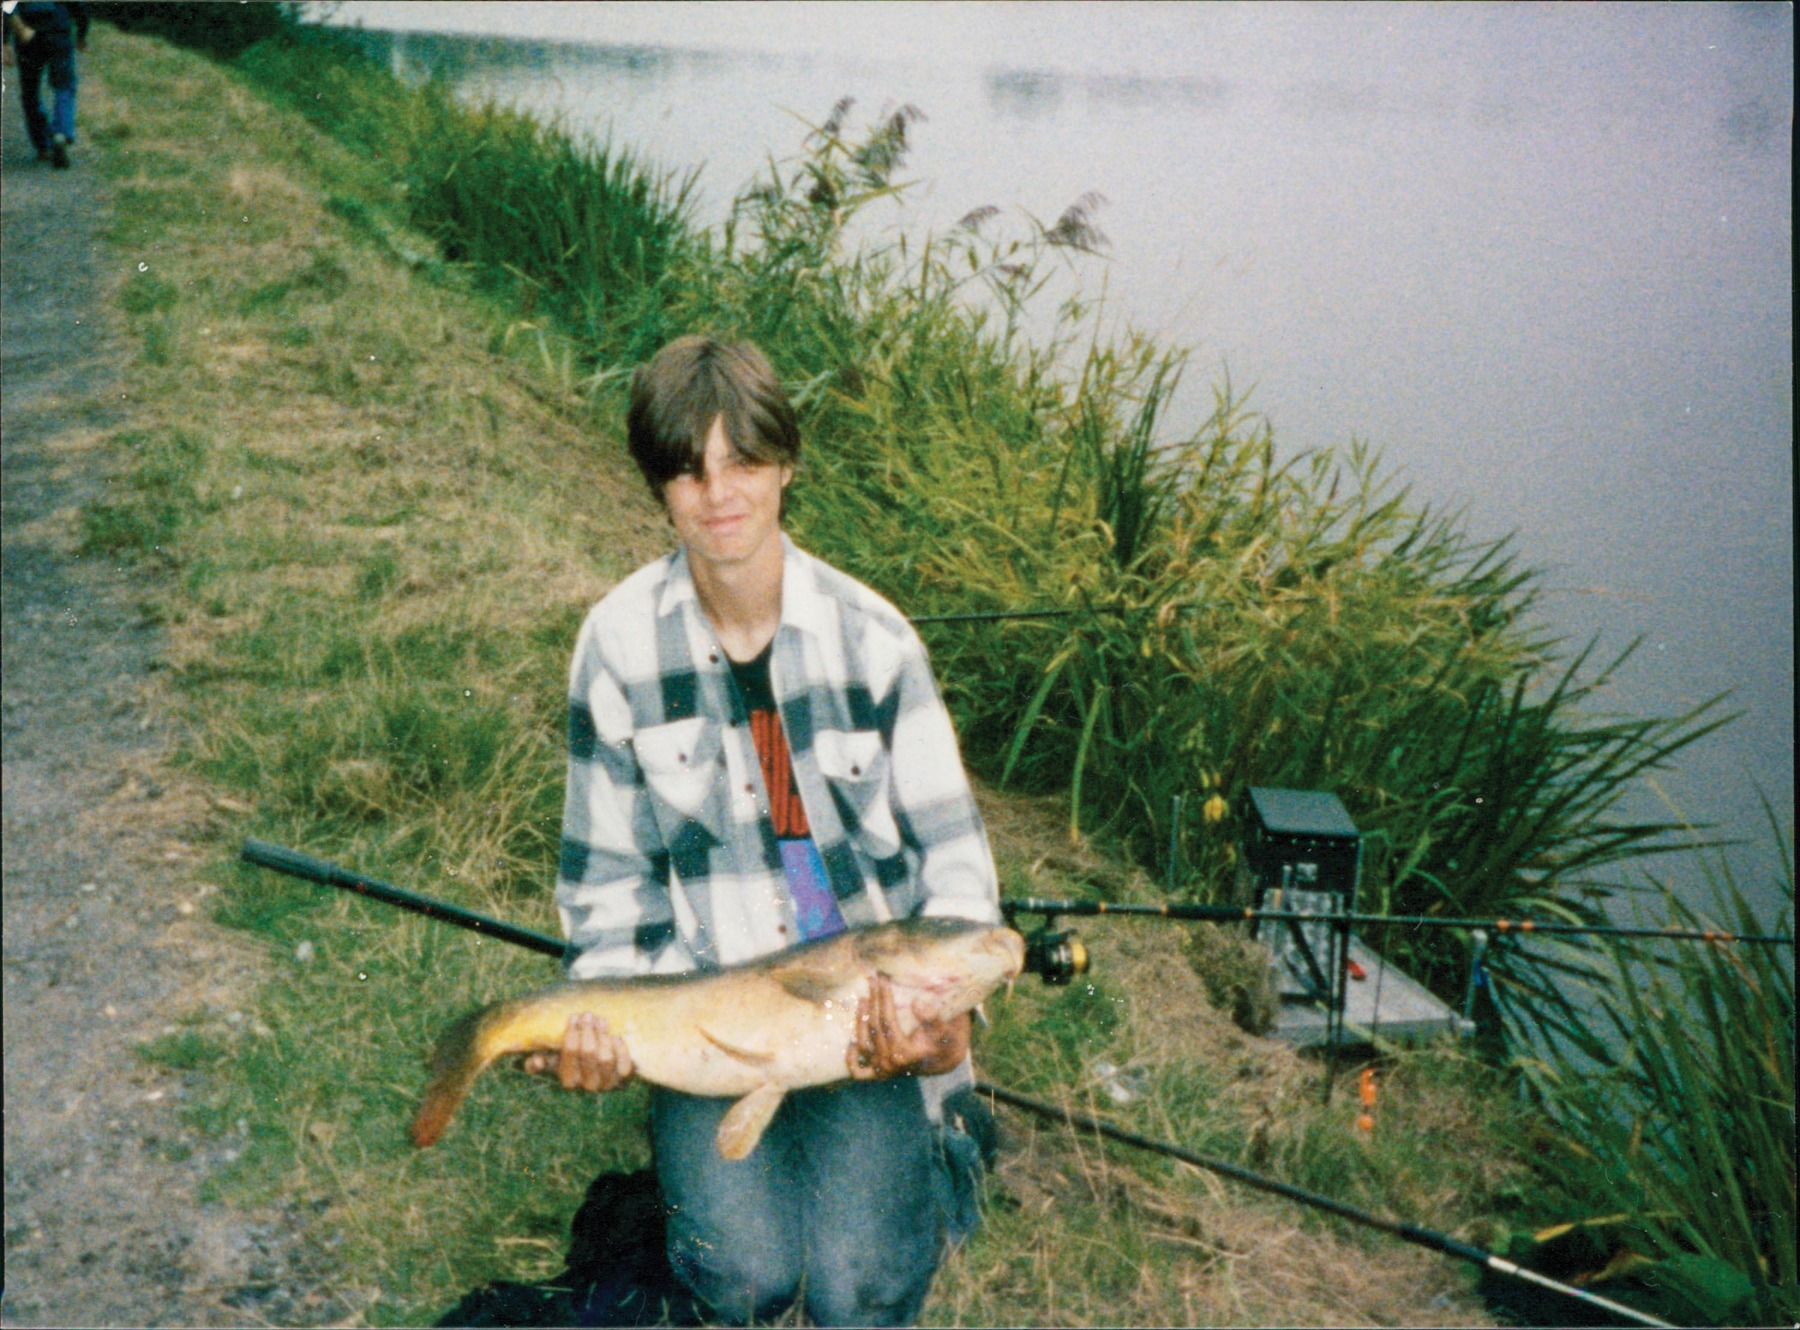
(376, 519)
(383, 479)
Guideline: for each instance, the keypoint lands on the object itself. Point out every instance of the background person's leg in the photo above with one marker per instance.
(31, 98)
(62, 84)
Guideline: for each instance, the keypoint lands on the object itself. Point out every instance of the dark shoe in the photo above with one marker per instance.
(43, 154)
(59, 152)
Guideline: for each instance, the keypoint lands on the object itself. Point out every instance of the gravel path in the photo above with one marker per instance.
(106, 943)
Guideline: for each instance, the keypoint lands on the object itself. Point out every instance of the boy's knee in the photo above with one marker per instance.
(737, 1287)
(849, 1293)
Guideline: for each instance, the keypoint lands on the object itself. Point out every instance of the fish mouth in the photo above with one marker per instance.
(1014, 947)
(1009, 944)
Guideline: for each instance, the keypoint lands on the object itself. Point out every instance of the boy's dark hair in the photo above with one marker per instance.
(678, 393)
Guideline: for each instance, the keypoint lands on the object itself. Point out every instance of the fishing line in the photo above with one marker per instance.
(995, 616)
(1504, 927)
(1066, 612)
(1380, 977)
(1413, 1233)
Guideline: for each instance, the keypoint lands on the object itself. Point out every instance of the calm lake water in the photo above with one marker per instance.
(1539, 256)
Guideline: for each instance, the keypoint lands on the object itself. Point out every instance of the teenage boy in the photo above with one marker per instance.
(758, 757)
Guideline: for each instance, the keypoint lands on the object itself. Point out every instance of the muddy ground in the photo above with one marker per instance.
(106, 942)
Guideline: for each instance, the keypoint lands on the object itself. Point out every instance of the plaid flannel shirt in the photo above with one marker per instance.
(669, 857)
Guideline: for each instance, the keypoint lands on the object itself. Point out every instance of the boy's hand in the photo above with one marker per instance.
(592, 1057)
(882, 1048)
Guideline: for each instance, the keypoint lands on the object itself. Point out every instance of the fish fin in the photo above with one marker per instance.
(749, 1055)
(745, 1122)
(812, 979)
(455, 1063)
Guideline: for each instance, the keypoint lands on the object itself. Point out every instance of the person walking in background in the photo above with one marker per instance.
(43, 36)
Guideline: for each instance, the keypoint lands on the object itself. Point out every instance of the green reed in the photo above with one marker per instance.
(1673, 1083)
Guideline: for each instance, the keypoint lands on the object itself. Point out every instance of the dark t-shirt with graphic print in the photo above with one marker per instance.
(814, 902)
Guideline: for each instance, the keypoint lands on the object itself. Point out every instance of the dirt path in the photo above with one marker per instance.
(106, 944)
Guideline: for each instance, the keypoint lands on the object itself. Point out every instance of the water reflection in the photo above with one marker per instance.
(488, 61)
(1750, 125)
(1133, 92)
(1039, 94)
(1322, 100)
(1024, 94)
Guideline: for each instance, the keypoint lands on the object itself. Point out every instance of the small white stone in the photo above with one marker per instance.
(90, 886)
(304, 953)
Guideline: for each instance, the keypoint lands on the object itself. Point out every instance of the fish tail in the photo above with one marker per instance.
(460, 1056)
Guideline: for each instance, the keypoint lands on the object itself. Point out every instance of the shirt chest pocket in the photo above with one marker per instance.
(855, 766)
(683, 766)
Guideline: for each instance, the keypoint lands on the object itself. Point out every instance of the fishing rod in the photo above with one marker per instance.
(997, 616)
(1060, 612)
(1413, 1233)
(1040, 959)
(1049, 909)
(296, 863)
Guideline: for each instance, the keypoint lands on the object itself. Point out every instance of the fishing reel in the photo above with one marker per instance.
(1056, 956)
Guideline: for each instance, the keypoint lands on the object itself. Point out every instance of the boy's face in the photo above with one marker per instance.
(730, 514)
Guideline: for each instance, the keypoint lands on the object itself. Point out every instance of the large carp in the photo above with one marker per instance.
(753, 1031)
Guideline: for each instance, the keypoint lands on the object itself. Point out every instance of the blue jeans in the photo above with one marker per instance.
(839, 1204)
(58, 58)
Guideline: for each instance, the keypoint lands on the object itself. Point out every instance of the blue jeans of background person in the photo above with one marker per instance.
(838, 1204)
(56, 56)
